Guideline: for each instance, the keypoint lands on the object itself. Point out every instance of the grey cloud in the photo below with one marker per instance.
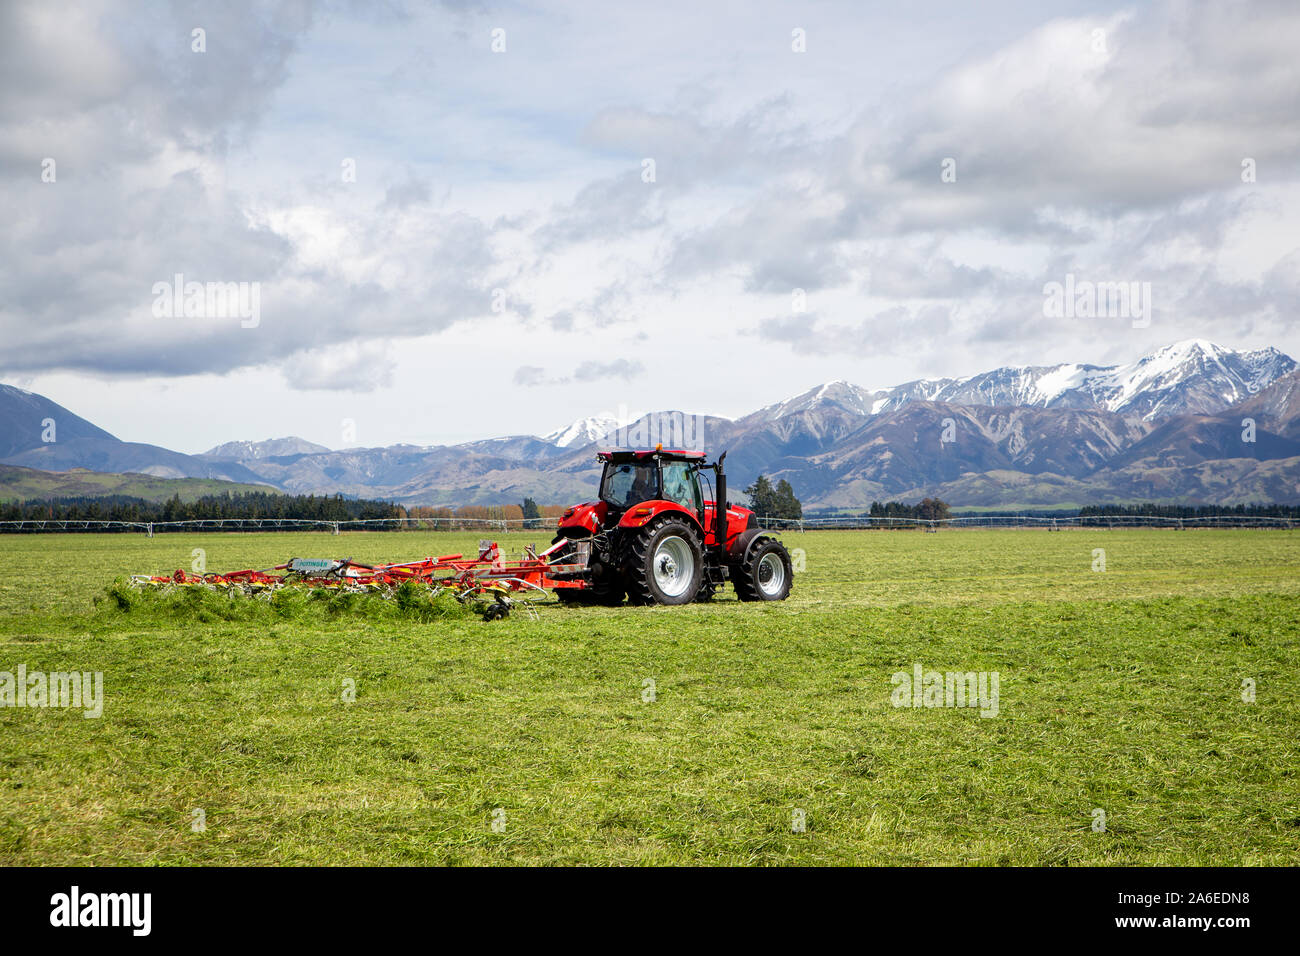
(780, 243)
(590, 371)
(89, 306)
(792, 329)
(412, 192)
(894, 329)
(97, 84)
(80, 256)
(911, 271)
(619, 368)
(1124, 165)
(530, 375)
(1037, 130)
(687, 155)
(361, 368)
(610, 207)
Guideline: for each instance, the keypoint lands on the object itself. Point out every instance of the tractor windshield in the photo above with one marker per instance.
(681, 485)
(630, 483)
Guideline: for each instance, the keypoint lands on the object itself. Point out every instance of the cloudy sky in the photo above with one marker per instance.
(472, 219)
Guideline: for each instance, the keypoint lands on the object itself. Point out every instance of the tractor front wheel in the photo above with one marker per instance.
(664, 564)
(766, 574)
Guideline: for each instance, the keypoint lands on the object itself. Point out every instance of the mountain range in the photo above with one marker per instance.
(1167, 427)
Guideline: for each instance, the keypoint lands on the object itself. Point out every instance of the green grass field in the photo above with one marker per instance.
(1120, 690)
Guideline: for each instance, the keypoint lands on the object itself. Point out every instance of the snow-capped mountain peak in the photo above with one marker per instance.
(584, 431)
(845, 395)
(1194, 375)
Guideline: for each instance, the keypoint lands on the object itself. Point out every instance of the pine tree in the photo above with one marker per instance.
(762, 497)
(788, 506)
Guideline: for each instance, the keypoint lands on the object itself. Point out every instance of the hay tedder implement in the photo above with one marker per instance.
(488, 578)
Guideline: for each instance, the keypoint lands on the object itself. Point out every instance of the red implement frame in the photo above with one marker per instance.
(490, 570)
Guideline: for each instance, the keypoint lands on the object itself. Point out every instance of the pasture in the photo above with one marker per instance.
(720, 733)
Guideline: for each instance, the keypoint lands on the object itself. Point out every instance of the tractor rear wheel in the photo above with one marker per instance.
(766, 574)
(664, 564)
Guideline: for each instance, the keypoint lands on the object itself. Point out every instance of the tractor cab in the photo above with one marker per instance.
(631, 478)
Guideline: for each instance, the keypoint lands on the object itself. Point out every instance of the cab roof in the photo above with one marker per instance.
(629, 454)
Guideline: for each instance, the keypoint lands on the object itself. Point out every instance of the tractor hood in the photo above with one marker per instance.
(589, 516)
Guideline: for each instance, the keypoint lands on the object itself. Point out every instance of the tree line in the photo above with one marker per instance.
(765, 499)
(269, 505)
(927, 509)
(1190, 511)
(253, 504)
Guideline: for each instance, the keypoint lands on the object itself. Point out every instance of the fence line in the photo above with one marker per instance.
(1027, 521)
(37, 525)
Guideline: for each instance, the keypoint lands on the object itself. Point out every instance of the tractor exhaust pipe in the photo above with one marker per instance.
(720, 506)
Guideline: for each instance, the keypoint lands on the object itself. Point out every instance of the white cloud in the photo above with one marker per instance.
(360, 367)
(521, 172)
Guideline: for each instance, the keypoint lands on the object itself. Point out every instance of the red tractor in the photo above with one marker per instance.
(654, 537)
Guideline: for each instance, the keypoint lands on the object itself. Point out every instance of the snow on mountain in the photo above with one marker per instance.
(839, 394)
(1189, 376)
(1277, 405)
(584, 431)
(271, 448)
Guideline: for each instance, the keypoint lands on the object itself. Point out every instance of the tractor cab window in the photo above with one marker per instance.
(681, 485)
(630, 483)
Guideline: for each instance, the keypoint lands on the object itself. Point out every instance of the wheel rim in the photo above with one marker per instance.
(674, 566)
(771, 573)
